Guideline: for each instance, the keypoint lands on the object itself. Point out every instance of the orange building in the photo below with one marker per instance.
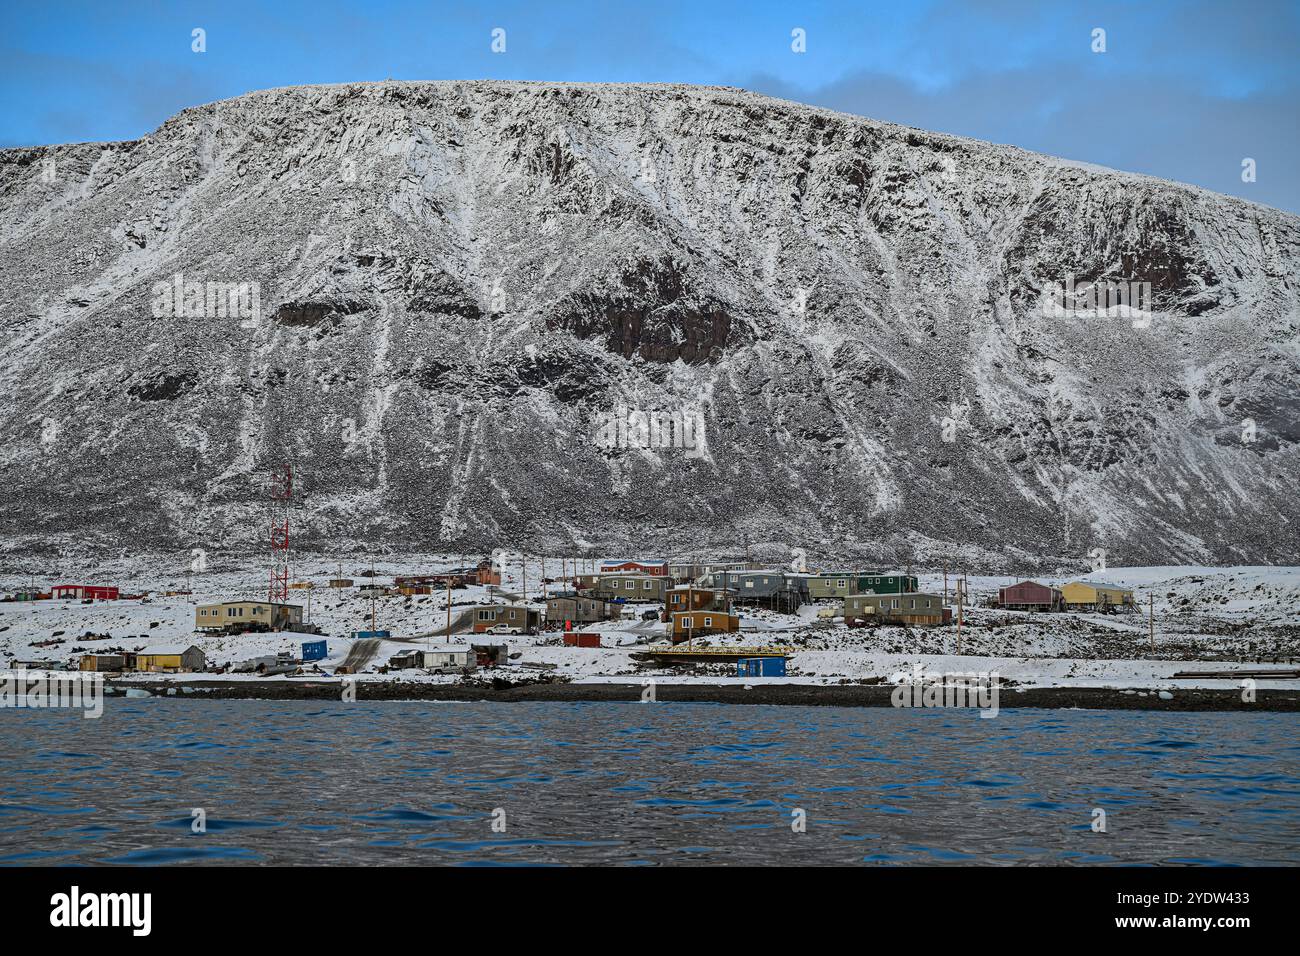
(689, 624)
(689, 598)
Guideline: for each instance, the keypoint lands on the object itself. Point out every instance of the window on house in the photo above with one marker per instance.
(708, 622)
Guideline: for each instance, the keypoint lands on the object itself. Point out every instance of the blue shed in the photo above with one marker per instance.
(314, 651)
(760, 667)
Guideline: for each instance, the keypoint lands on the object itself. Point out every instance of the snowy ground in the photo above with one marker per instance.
(1205, 618)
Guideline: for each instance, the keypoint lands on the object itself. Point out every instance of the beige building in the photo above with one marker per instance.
(831, 585)
(909, 608)
(246, 615)
(514, 617)
(636, 588)
(580, 610)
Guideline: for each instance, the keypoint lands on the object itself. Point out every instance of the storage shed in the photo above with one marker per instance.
(104, 663)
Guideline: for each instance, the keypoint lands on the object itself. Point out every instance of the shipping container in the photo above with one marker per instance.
(314, 650)
(760, 667)
(582, 640)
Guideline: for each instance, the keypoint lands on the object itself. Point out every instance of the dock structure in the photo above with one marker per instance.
(705, 655)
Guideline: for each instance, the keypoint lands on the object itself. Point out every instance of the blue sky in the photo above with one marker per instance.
(1186, 89)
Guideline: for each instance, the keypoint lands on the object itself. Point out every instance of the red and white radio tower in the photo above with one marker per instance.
(281, 493)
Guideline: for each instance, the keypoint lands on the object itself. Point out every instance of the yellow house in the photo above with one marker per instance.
(246, 615)
(1084, 595)
(170, 658)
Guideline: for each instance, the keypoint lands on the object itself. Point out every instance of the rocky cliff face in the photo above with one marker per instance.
(430, 296)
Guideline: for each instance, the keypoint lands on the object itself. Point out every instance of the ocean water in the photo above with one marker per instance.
(290, 782)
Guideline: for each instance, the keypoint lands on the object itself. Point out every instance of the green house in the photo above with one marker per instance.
(886, 583)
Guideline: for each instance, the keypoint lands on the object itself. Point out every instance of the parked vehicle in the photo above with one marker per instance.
(503, 629)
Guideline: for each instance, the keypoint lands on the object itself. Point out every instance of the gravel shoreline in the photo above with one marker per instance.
(841, 695)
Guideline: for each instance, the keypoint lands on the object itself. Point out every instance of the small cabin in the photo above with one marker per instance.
(103, 663)
(170, 659)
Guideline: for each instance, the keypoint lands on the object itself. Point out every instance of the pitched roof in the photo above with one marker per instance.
(169, 649)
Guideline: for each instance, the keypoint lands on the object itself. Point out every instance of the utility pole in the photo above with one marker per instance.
(448, 635)
(543, 576)
(690, 609)
(372, 597)
(945, 582)
(1151, 618)
(961, 605)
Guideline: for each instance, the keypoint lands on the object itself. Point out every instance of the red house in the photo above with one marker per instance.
(486, 574)
(1031, 596)
(82, 591)
(657, 568)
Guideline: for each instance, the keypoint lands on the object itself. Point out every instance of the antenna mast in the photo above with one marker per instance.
(281, 495)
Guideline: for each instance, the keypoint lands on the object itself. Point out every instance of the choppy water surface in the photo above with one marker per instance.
(400, 783)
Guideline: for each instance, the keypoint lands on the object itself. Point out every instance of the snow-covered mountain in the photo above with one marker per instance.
(449, 288)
